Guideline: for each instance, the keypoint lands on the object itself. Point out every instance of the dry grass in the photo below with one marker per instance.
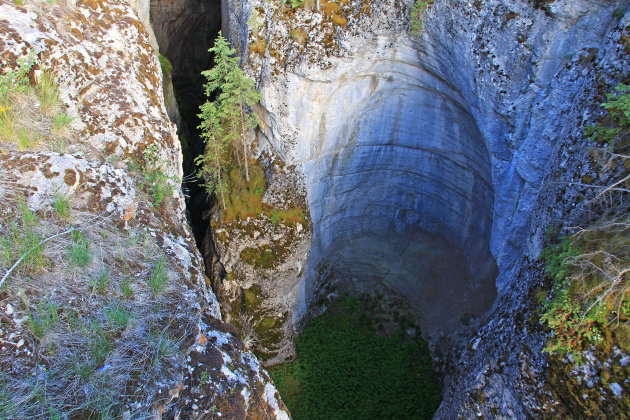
(96, 334)
(32, 117)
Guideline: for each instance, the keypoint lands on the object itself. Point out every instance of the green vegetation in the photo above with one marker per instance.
(295, 3)
(165, 64)
(62, 207)
(590, 302)
(417, 15)
(30, 115)
(156, 181)
(347, 367)
(20, 238)
(159, 277)
(79, 254)
(225, 121)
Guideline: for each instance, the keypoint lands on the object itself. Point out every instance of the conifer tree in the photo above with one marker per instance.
(225, 121)
(212, 161)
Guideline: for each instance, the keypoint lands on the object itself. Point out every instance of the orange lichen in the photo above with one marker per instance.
(339, 20)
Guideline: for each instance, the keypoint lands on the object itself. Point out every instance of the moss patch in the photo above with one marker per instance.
(346, 368)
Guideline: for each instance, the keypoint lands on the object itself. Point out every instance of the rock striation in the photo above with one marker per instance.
(424, 158)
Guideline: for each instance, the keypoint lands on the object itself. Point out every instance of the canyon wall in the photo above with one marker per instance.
(424, 157)
(172, 355)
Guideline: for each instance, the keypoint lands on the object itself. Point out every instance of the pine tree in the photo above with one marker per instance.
(212, 161)
(225, 121)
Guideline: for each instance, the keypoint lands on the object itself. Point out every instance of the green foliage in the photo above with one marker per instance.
(618, 107)
(165, 64)
(295, 3)
(255, 22)
(62, 207)
(225, 120)
(159, 277)
(345, 369)
(417, 15)
(156, 181)
(80, 254)
(590, 302)
(13, 81)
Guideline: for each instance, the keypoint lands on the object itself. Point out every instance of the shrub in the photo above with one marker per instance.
(590, 302)
(417, 15)
(156, 181)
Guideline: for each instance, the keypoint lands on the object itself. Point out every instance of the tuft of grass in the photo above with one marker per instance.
(125, 288)
(47, 92)
(44, 318)
(61, 121)
(118, 316)
(26, 138)
(159, 277)
(100, 282)
(62, 207)
(80, 255)
(7, 129)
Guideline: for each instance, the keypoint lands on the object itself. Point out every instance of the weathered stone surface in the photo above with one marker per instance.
(491, 88)
(109, 80)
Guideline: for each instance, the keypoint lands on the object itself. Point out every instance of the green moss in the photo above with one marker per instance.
(262, 257)
(346, 369)
(252, 298)
(166, 65)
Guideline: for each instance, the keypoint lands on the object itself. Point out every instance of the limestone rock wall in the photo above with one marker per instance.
(450, 133)
(173, 355)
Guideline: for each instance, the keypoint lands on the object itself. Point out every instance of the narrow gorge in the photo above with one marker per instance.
(420, 171)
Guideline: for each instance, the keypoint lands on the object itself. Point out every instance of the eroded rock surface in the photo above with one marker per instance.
(134, 317)
(449, 134)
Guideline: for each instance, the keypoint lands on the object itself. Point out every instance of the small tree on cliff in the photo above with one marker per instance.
(225, 121)
(212, 162)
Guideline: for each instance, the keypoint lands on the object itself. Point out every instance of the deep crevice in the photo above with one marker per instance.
(185, 31)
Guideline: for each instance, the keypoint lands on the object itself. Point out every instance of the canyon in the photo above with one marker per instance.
(425, 166)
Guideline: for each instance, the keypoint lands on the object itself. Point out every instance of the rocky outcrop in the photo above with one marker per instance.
(116, 317)
(432, 151)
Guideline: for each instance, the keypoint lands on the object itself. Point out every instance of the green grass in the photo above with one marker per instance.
(159, 277)
(79, 254)
(99, 282)
(44, 318)
(26, 138)
(118, 316)
(62, 207)
(61, 121)
(47, 92)
(346, 370)
(125, 288)
(19, 237)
